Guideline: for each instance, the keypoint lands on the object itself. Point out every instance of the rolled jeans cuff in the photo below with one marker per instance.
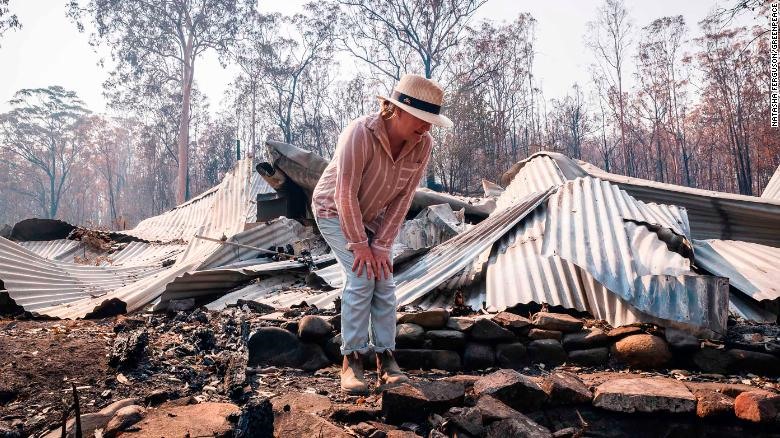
(349, 350)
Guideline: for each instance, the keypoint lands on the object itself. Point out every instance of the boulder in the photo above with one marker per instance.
(305, 425)
(511, 321)
(536, 334)
(485, 330)
(428, 359)
(184, 305)
(517, 428)
(478, 356)
(493, 409)
(512, 355)
(516, 390)
(300, 402)
(590, 357)
(446, 339)
(713, 404)
(312, 357)
(755, 362)
(408, 335)
(557, 321)
(564, 388)
(128, 349)
(621, 332)
(757, 406)
(585, 339)
(681, 341)
(353, 414)
(547, 351)
(203, 419)
(644, 395)
(642, 351)
(416, 401)
(313, 328)
(713, 360)
(124, 418)
(274, 346)
(429, 319)
(460, 420)
(460, 323)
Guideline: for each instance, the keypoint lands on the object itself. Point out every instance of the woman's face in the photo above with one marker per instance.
(410, 127)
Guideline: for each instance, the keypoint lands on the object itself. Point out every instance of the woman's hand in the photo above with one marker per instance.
(383, 263)
(364, 258)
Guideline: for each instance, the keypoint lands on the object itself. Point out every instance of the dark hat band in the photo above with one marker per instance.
(416, 103)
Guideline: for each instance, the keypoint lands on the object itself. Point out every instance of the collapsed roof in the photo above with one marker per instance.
(562, 233)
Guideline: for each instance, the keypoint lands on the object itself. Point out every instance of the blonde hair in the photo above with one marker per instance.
(387, 110)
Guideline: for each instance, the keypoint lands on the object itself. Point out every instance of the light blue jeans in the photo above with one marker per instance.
(367, 306)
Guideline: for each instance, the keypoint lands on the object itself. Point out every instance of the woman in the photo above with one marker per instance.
(360, 202)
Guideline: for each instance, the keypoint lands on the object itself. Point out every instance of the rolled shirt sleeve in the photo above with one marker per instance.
(351, 156)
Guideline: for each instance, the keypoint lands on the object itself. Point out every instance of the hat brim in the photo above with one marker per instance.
(434, 119)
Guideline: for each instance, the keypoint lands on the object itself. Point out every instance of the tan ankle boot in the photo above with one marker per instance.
(352, 380)
(388, 370)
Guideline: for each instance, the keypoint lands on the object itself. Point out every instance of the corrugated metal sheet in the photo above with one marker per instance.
(60, 249)
(278, 292)
(220, 211)
(712, 215)
(333, 275)
(538, 173)
(183, 221)
(255, 291)
(276, 233)
(587, 226)
(772, 189)
(752, 268)
(444, 261)
(204, 282)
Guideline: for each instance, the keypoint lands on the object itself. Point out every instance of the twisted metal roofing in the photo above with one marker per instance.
(751, 268)
(772, 189)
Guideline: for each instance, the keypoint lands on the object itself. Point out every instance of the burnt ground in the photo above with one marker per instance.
(192, 355)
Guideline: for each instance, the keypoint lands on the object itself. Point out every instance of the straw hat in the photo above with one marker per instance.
(421, 98)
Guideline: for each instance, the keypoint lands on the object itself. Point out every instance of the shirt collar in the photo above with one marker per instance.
(377, 126)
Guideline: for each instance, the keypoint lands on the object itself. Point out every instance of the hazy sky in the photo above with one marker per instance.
(48, 50)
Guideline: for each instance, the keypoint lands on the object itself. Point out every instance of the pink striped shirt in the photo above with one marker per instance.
(365, 188)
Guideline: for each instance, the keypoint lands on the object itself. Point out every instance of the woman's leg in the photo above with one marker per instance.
(356, 299)
(383, 316)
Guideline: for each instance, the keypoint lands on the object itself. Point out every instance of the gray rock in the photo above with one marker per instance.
(274, 346)
(512, 355)
(564, 388)
(408, 335)
(332, 349)
(313, 328)
(713, 360)
(512, 388)
(415, 402)
(642, 351)
(536, 334)
(590, 357)
(255, 420)
(460, 323)
(429, 319)
(511, 321)
(446, 339)
(519, 427)
(557, 321)
(485, 330)
(312, 357)
(428, 359)
(585, 339)
(468, 420)
(478, 356)
(680, 340)
(184, 305)
(755, 362)
(547, 351)
(128, 349)
(644, 395)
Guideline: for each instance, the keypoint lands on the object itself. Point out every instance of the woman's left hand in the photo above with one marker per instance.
(383, 262)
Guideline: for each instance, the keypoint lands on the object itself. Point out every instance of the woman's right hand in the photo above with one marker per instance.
(364, 259)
